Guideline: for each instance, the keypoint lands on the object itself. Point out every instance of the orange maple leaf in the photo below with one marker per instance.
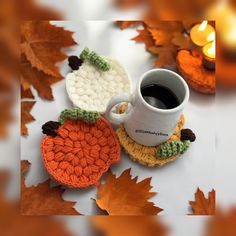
(129, 225)
(161, 37)
(124, 196)
(182, 41)
(43, 200)
(26, 117)
(39, 80)
(41, 44)
(202, 205)
(145, 37)
(166, 55)
(26, 93)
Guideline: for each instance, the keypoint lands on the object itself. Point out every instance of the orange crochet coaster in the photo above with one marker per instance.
(80, 153)
(143, 154)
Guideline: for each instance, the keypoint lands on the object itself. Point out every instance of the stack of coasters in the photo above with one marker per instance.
(77, 153)
(91, 86)
(147, 156)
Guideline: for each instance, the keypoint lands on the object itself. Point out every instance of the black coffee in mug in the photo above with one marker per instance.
(159, 96)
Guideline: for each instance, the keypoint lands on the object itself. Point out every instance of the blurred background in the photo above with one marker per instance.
(12, 12)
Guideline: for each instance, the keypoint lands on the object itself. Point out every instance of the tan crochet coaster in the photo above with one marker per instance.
(143, 154)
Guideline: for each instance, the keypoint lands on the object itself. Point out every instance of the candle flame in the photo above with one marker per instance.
(203, 25)
(212, 50)
(211, 37)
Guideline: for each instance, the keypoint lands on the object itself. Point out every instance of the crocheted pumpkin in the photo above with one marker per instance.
(80, 152)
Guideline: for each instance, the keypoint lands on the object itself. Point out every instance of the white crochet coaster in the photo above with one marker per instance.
(91, 89)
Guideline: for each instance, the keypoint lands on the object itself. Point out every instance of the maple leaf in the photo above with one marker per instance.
(129, 225)
(145, 37)
(41, 44)
(26, 93)
(26, 117)
(161, 37)
(223, 223)
(164, 25)
(166, 55)
(43, 200)
(182, 41)
(39, 80)
(127, 24)
(202, 205)
(124, 196)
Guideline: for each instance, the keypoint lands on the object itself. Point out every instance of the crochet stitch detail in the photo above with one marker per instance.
(74, 62)
(95, 59)
(50, 128)
(78, 114)
(173, 148)
(80, 153)
(187, 134)
(91, 90)
(143, 154)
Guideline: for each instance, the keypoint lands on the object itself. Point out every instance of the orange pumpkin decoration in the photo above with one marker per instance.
(80, 152)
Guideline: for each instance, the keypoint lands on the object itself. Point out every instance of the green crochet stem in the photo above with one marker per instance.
(78, 114)
(172, 148)
(95, 59)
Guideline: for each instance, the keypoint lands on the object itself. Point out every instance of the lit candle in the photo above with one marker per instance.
(200, 33)
(209, 54)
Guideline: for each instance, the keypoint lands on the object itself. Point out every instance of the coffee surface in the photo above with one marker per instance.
(159, 96)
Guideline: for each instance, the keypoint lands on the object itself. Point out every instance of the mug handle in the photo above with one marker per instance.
(116, 99)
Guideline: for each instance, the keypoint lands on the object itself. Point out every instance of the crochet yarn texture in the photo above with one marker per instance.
(147, 155)
(95, 59)
(91, 89)
(50, 128)
(172, 148)
(80, 153)
(187, 134)
(78, 114)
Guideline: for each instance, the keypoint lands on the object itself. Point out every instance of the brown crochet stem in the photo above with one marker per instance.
(187, 134)
(50, 128)
(74, 62)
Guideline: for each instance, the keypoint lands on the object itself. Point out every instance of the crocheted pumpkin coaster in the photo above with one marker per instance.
(77, 153)
(147, 155)
(91, 88)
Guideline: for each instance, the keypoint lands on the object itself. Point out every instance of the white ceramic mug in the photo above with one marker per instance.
(144, 123)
